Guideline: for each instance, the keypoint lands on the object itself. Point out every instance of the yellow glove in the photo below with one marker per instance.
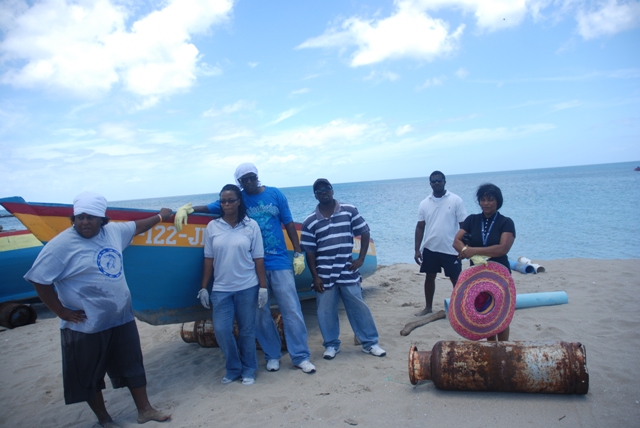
(181, 216)
(298, 263)
(479, 260)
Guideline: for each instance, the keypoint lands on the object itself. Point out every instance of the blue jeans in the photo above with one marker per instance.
(282, 286)
(358, 313)
(240, 355)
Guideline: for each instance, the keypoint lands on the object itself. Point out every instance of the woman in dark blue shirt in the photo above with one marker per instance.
(488, 234)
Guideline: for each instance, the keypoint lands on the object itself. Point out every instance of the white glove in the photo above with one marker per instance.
(263, 296)
(181, 216)
(298, 263)
(203, 295)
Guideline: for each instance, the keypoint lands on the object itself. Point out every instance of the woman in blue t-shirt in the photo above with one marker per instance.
(488, 234)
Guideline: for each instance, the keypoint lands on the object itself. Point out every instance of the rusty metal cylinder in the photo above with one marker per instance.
(539, 367)
(202, 332)
(14, 315)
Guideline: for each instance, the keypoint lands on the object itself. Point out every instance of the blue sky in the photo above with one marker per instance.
(137, 99)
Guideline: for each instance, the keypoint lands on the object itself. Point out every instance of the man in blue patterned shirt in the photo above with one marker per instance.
(327, 239)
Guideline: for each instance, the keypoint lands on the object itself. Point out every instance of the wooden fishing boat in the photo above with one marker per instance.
(163, 266)
(18, 250)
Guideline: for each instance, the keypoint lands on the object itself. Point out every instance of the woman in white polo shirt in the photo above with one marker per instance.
(233, 253)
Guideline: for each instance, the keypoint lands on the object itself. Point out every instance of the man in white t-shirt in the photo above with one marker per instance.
(439, 217)
(98, 332)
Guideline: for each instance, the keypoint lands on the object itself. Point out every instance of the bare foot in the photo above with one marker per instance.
(152, 415)
(423, 312)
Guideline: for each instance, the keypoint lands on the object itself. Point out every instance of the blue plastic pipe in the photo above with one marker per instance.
(531, 300)
(521, 267)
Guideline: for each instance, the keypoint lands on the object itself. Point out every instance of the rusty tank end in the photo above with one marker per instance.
(538, 367)
(202, 333)
(14, 314)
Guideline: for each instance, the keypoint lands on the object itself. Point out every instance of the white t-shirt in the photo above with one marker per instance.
(233, 250)
(442, 217)
(88, 275)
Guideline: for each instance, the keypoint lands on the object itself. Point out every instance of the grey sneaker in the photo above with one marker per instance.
(273, 365)
(375, 350)
(307, 367)
(248, 381)
(330, 353)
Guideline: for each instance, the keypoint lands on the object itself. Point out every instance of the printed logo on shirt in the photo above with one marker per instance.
(110, 262)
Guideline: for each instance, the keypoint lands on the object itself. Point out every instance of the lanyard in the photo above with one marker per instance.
(485, 233)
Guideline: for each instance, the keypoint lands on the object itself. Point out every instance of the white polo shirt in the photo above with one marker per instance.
(442, 217)
(233, 250)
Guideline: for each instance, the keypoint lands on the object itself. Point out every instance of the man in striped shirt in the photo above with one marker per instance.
(327, 239)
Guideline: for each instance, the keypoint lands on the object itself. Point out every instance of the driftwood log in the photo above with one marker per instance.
(409, 327)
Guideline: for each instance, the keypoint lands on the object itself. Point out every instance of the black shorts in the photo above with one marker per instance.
(87, 357)
(433, 262)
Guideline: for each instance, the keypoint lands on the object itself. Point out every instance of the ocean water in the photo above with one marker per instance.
(582, 211)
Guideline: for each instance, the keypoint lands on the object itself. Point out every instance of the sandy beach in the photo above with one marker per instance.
(356, 389)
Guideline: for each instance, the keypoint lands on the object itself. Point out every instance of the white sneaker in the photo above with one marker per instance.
(273, 365)
(330, 353)
(225, 380)
(375, 350)
(307, 367)
(248, 381)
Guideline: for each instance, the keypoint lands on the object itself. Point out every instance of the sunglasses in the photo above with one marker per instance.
(228, 201)
(326, 189)
(437, 180)
(248, 178)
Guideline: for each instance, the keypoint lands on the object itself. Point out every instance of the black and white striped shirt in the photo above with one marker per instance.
(331, 239)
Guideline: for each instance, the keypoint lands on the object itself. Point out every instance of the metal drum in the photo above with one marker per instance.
(202, 332)
(542, 367)
(14, 315)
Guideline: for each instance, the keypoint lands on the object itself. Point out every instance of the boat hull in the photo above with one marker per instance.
(163, 267)
(18, 250)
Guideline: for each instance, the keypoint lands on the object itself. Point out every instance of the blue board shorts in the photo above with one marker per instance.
(87, 357)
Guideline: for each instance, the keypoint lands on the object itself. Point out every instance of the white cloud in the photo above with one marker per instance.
(120, 150)
(207, 70)
(75, 132)
(12, 117)
(285, 115)
(118, 132)
(241, 133)
(300, 91)
(567, 105)
(432, 81)
(409, 32)
(462, 73)
(382, 75)
(413, 30)
(404, 129)
(484, 135)
(85, 48)
(339, 134)
(236, 107)
(490, 15)
(611, 17)
(121, 153)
